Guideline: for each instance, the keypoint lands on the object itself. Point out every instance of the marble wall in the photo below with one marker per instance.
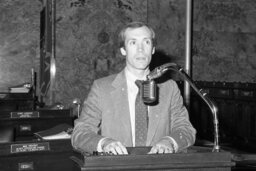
(86, 47)
(19, 41)
(223, 48)
(224, 42)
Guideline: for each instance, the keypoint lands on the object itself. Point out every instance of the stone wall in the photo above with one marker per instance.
(19, 45)
(223, 48)
(224, 42)
(86, 46)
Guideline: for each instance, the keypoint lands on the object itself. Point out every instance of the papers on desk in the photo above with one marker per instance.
(62, 131)
(61, 135)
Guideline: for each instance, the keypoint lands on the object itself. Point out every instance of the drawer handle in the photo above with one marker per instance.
(26, 166)
(24, 128)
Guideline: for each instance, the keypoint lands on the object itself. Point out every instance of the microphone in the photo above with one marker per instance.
(149, 86)
(149, 91)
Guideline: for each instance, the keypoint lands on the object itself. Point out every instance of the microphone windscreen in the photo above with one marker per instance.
(149, 91)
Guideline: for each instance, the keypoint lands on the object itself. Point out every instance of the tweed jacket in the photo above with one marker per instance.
(105, 113)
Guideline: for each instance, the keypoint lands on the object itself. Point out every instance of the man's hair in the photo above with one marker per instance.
(121, 36)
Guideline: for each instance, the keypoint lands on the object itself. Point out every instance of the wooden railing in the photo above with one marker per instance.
(237, 112)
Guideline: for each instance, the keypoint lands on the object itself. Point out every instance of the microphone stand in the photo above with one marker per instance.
(172, 66)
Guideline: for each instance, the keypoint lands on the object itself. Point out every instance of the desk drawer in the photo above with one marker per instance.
(28, 127)
(51, 155)
(38, 162)
(24, 129)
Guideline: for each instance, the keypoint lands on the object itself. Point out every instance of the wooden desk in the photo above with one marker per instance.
(17, 101)
(195, 159)
(26, 123)
(36, 155)
(55, 156)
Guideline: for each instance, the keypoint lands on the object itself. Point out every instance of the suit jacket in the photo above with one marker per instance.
(105, 113)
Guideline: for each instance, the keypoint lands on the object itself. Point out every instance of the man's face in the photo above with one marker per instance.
(138, 48)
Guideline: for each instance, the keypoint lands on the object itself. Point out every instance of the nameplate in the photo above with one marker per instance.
(31, 114)
(30, 147)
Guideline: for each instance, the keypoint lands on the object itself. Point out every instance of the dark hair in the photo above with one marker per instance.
(121, 36)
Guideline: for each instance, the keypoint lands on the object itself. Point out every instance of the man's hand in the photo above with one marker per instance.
(165, 145)
(112, 146)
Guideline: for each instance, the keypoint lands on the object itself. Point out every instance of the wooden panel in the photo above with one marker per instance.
(236, 112)
(26, 123)
(55, 158)
(16, 101)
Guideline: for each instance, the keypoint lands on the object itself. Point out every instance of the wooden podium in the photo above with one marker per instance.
(196, 158)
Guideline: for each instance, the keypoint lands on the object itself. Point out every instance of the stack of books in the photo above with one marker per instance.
(24, 88)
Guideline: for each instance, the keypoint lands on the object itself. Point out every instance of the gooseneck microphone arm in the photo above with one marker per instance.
(159, 71)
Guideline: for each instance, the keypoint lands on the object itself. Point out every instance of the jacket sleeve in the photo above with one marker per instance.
(85, 135)
(181, 129)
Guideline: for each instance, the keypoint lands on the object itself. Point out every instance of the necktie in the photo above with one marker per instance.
(140, 118)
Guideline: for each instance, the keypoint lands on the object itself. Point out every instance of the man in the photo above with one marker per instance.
(107, 121)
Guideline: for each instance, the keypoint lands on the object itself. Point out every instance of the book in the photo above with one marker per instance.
(19, 90)
(61, 131)
(23, 88)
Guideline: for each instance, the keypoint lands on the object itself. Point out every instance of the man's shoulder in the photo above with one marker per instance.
(169, 84)
(106, 79)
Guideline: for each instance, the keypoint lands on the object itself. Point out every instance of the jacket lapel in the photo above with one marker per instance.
(154, 118)
(121, 105)
(155, 114)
